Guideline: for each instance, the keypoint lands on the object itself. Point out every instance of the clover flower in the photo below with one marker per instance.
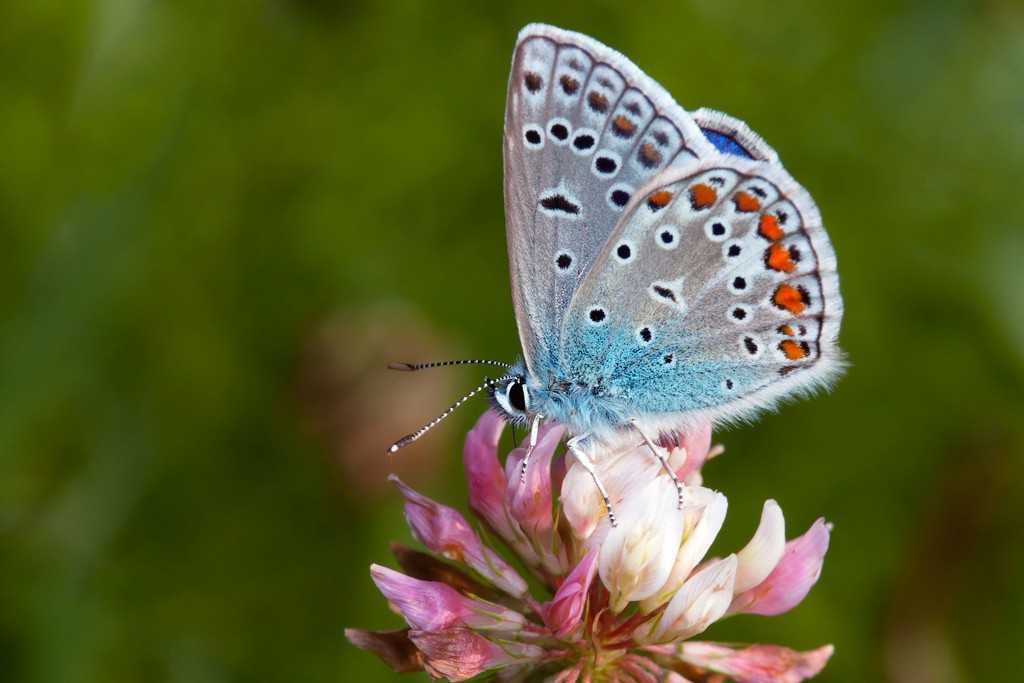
(622, 603)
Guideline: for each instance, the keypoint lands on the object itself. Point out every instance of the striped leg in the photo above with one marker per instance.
(664, 462)
(529, 449)
(574, 446)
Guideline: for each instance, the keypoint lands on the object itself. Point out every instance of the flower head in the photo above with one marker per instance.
(624, 602)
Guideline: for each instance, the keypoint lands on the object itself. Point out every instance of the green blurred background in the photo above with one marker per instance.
(220, 220)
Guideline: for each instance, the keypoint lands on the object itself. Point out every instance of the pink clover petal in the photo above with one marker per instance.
(434, 606)
(484, 474)
(565, 610)
(757, 663)
(445, 531)
(458, 654)
(426, 605)
(792, 578)
(488, 486)
(531, 499)
(393, 647)
(570, 675)
(697, 442)
(641, 668)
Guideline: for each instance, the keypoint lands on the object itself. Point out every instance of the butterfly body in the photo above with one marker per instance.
(666, 269)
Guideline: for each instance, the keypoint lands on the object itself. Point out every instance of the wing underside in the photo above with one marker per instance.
(584, 129)
(715, 295)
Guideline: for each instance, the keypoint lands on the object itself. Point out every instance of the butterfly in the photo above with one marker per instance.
(665, 268)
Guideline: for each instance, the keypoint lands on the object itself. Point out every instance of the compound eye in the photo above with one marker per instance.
(517, 396)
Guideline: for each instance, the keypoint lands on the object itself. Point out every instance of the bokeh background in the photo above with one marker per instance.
(220, 220)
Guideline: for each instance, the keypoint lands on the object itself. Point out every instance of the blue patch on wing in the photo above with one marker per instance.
(639, 382)
(725, 144)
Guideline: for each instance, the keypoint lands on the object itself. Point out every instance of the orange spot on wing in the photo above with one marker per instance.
(569, 84)
(659, 199)
(777, 257)
(746, 202)
(597, 102)
(649, 156)
(769, 228)
(790, 298)
(794, 350)
(786, 330)
(623, 126)
(702, 196)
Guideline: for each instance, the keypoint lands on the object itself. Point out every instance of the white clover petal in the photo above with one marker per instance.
(701, 601)
(623, 474)
(698, 542)
(704, 515)
(628, 473)
(581, 501)
(638, 554)
(759, 557)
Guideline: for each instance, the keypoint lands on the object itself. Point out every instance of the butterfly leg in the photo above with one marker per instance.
(583, 459)
(664, 462)
(529, 450)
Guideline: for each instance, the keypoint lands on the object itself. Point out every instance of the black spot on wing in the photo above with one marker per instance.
(583, 142)
(665, 293)
(606, 165)
(559, 202)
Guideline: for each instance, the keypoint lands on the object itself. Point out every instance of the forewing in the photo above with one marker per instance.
(716, 294)
(584, 129)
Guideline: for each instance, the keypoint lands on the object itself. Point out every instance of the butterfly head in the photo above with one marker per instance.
(511, 397)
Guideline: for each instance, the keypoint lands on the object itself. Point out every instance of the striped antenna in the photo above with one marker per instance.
(410, 367)
(409, 438)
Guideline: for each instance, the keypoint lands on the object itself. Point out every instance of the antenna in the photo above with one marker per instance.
(411, 367)
(409, 438)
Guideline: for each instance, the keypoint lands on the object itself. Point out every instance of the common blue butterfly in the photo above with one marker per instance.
(665, 267)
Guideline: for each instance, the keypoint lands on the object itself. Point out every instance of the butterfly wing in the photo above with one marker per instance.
(729, 135)
(584, 129)
(715, 295)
